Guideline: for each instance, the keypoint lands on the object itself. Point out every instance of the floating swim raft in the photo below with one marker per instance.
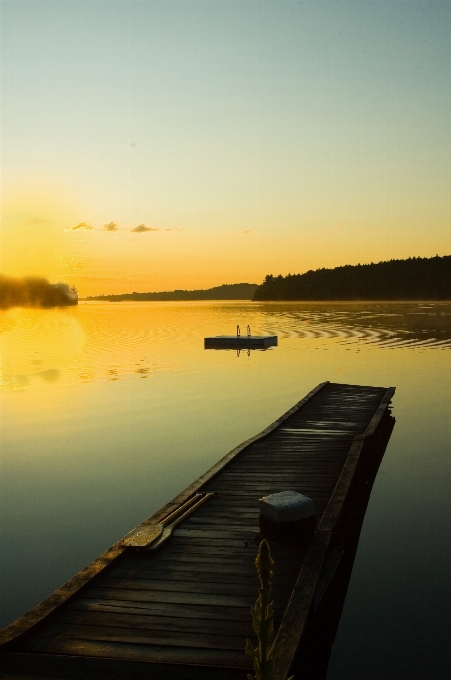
(239, 341)
(179, 608)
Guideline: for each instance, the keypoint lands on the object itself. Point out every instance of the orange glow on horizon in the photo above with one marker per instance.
(42, 235)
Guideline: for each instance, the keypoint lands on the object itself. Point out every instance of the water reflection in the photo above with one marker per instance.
(100, 341)
(383, 324)
(37, 344)
(114, 408)
(248, 352)
(50, 375)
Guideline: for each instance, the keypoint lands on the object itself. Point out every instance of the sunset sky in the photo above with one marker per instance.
(150, 145)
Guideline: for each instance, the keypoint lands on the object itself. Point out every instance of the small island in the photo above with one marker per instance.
(416, 278)
(35, 292)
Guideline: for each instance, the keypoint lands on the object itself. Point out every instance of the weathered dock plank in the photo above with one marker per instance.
(187, 605)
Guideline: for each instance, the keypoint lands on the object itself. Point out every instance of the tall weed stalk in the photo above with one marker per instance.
(263, 619)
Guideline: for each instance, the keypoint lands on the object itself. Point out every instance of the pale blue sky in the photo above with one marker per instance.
(219, 117)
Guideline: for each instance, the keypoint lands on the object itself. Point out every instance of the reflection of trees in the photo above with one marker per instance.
(391, 323)
(35, 292)
(413, 279)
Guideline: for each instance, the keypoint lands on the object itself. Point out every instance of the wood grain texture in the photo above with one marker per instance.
(71, 667)
(189, 602)
(301, 601)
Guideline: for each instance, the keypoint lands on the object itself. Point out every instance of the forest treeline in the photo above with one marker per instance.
(234, 291)
(417, 278)
(35, 292)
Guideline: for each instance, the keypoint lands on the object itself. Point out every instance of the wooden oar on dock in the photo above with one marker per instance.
(182, 612)
(151, 536)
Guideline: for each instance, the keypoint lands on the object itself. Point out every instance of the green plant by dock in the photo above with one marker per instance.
(263, 619)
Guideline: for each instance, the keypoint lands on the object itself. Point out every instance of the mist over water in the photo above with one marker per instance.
(35, 292)
(110, 409)
(107, 341)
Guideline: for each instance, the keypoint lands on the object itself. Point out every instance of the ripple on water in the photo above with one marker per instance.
(109, 342)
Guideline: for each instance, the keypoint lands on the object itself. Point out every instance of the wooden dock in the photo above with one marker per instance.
(183, 611)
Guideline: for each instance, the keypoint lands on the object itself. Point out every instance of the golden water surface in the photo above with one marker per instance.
(110, 409)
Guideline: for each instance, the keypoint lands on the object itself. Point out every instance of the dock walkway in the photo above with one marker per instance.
(183, 611)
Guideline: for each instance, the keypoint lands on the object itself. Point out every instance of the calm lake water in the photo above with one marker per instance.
(110, 409)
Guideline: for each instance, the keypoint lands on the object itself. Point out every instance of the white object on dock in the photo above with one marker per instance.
(287, 506)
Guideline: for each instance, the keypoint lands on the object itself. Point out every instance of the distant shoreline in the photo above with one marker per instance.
(294, 302)
(414, 279)
(234, 291)
(419, 279)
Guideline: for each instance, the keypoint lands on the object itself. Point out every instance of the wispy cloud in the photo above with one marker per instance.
(174, 229)
(70, 262)
(81, 226)
(81, 264)
(341, 224)
(142, 227)
(247, 231)
(111, 226)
